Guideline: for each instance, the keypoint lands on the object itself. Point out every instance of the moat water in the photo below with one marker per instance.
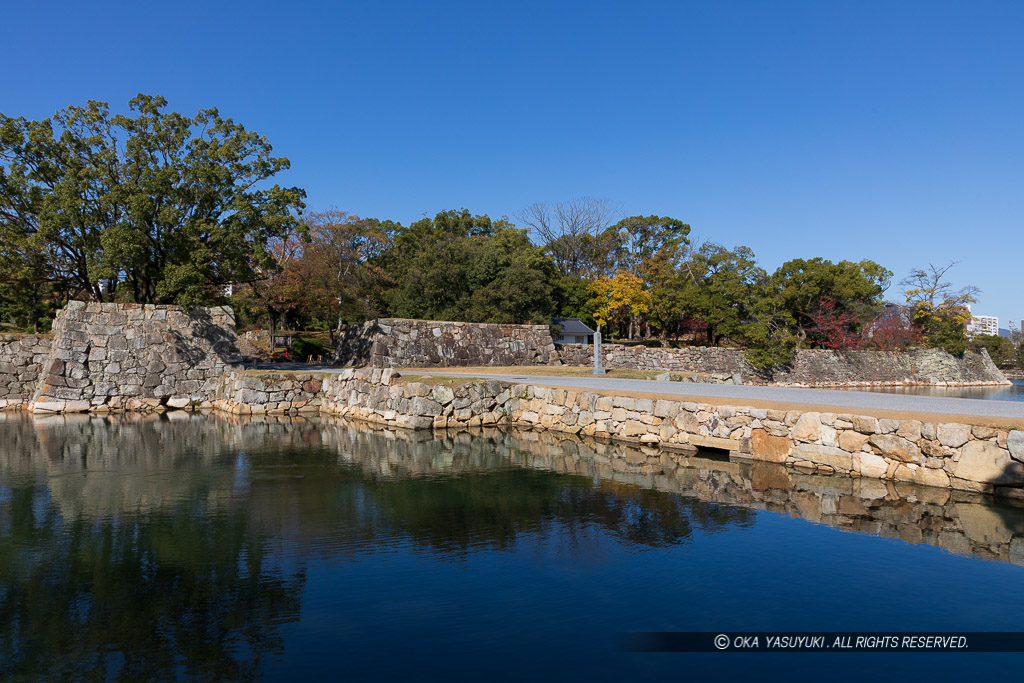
(1012, 392)
(206, 548)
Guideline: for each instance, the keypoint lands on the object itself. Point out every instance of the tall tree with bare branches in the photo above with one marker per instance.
(572, 232)
(940, 311)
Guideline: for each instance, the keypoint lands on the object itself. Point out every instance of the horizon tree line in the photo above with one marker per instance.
(158, 207)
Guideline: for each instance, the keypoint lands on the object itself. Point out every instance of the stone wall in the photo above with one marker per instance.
(21, 358)
(688, 359)
(133, 356)
(811, 368)
(967, 457)
(398, 342)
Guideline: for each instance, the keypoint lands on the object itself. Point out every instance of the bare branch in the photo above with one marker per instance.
(570, 232)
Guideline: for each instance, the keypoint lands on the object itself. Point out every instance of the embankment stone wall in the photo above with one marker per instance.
(967, 457)
(397, 342)
(21, 358)
(107, 356)
(811, 367)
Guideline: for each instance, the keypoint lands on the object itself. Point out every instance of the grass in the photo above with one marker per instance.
(436, 380)
(533, 371)
(8, 328)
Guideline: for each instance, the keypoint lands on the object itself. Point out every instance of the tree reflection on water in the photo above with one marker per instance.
(138, 548)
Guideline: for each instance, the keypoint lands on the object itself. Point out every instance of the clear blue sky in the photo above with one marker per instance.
(848, 130)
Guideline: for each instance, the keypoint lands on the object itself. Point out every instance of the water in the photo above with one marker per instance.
(1012, 392)
(206, 548)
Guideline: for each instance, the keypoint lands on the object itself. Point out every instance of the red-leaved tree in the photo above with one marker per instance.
(835, 327)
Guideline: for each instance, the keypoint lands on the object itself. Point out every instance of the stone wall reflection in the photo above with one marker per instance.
(128, 540)
(112, 567)
(105, 456)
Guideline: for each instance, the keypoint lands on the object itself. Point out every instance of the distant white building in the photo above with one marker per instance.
(983, 324)
(573, 331)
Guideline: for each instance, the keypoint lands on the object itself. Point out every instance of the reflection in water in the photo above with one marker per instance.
(1011, 392)
(135, 547)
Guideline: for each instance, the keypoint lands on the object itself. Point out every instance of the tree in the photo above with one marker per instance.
(1000, 349)
(154, 207)
(940, 312)
(458, 266)
(801, 296)
(427, 262)
(573, 233)
(769, 332)
(642, 241)
(714, 286)
(802, 287)
(28, 296)
(340, 266)
(620, 299)
(510, 280)
(893, 330)
(835, 328)
(281, 288)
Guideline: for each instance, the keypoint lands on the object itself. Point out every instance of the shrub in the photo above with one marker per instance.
(306, 347)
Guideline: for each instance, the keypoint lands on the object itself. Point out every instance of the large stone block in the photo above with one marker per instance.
(986, 462)
(851, 440)
(824, 455)
(808, 428)
(769, 448)
(953, 435)
(895, 447)
(871, 465)
(1015, 444)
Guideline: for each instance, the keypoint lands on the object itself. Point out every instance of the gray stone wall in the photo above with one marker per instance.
(811, 368)
(688, 359)
(960, 456)
(270, 393)
(21, 358)
(134, 357)
(398, 342)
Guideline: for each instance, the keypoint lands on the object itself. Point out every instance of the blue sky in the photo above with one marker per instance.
(848, 130)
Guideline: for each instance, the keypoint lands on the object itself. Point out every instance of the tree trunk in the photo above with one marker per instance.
(272, 317)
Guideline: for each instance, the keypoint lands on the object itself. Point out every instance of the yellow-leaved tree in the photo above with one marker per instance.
(618, 299)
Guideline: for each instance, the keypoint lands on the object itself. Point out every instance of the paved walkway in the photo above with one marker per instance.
(826, 400)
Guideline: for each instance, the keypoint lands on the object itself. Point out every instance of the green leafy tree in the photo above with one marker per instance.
(510, 280)
(153, 207)
(644, 241)
(794, 300)
(28, 297)
(769, 333)
(714, 285)
(573, 299)
(1000, 349)
(458, 266)
(802, 286)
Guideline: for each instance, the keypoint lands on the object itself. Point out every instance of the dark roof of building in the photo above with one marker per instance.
(571, 326)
